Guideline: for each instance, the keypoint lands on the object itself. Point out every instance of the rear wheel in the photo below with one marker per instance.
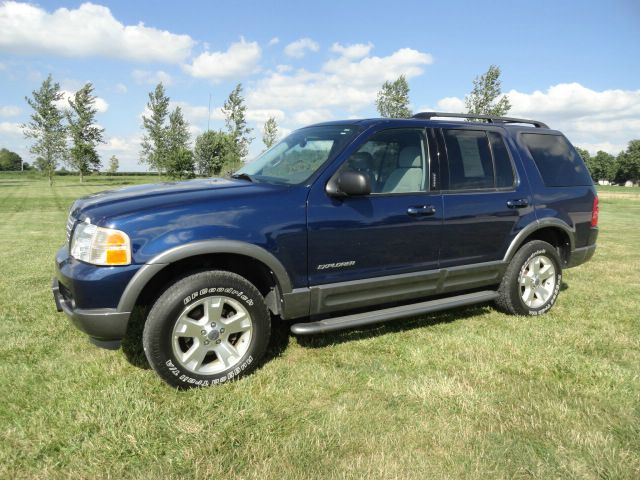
(208, 328)
(532, 280)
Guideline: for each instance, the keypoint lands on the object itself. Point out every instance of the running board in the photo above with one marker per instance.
(393, 313)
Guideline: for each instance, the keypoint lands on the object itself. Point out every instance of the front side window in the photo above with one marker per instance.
(394, 160)
(297, 157)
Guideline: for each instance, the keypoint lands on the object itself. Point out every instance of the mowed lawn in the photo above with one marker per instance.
(470, 393)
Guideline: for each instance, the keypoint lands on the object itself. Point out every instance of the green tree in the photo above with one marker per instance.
(181, 164)
(114, 164)
(588, 161)
(179, 156)
(604, 165)
(10, 161)
(215, 151)
(629, 163)
(85, 134)
(393, 99)
(154, 151)
(270, 133)
(45, 127)
(486, 97)
(234, 111)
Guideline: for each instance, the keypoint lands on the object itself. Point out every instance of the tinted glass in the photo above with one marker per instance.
(557, 161)
(504, 169)
(298, 156)
(469, 158)
(394, 160)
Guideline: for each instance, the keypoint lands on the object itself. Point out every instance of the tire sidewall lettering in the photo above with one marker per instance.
(200, 382)
(217, 290)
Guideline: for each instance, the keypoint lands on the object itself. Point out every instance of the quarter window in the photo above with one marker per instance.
(501, 160)
(557, 161)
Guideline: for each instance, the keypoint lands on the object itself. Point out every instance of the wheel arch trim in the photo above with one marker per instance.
(156, 264)
(540, 224)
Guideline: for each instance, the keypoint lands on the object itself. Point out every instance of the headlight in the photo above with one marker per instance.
(100, 246)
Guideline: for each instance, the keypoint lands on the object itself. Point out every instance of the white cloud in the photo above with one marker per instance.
(283, 68)
(89, 30)
(355, 51)
(306, 117)
(273, 41)
(340, 83)
(120, 88)
(262, 115)
(9, 111)
(100, 104)
(197, 114)
(8, 128)
(298, 48)
(142, 77)
(241, 58)
(126, 148)
(596, 120)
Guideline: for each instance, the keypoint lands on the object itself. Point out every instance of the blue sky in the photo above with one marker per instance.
(573, 65)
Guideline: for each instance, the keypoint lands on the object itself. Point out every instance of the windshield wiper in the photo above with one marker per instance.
(242, 176)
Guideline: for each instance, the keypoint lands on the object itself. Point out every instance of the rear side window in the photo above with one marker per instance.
(557, 161)
(470, 165)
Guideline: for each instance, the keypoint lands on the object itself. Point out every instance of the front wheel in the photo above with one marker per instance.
(208, 328)
(532, 281)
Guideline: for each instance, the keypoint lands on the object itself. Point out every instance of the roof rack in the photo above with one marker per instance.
(488, 118)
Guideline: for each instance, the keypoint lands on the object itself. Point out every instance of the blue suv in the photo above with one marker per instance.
(339, 225)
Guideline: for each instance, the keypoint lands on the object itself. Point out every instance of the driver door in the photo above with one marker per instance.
(394, 231)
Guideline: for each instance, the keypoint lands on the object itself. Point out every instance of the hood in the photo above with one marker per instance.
(158, 193)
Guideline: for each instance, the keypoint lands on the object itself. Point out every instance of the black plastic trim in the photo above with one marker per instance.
(369, 292)
(393, 313)
(102, 324)
(151, 268)
(532, 227)
(580, 256)
(488, 118)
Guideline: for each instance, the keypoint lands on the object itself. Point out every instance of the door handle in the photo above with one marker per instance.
(421, 210)
(520, 203)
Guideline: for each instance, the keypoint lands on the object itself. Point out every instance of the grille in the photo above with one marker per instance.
(70, 224)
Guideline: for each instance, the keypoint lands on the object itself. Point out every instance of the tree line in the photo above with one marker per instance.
(166, 143)
(486, 98)
(69, 135)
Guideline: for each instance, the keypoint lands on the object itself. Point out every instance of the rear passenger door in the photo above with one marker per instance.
(485, 195)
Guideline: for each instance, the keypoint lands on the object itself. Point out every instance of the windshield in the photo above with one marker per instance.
(298, 156)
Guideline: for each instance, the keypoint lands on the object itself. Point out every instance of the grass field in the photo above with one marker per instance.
(470, 393)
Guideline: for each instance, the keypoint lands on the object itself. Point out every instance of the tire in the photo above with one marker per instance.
(532, 281)
(206, 329)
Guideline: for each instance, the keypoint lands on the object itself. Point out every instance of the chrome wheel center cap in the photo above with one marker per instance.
(213, 334)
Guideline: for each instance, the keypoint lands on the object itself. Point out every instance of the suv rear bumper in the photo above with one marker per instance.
(106, 327)
(581, 255)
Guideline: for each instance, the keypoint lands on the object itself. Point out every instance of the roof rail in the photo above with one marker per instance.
(488, 118)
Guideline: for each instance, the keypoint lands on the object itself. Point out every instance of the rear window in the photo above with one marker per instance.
(557, 161)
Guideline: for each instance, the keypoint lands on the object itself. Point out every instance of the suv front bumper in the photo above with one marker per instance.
(106, 327)
(89, 296)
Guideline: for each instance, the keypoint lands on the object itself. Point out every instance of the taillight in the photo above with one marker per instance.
(594, 212)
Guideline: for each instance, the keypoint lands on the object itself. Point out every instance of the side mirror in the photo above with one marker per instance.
(349, 184)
